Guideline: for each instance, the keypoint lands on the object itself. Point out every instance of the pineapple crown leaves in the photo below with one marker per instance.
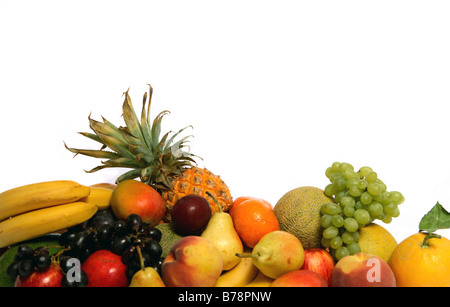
(139, 146)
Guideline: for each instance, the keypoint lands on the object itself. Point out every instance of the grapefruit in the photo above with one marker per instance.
(376, 240)
(298, 212)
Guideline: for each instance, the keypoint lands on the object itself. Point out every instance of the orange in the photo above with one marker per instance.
(252, 219)
(415, 265)
(240, 200)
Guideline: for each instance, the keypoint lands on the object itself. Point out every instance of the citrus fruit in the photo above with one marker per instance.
(240, 200)
(298, 213)
(376, 240)
(252, 219)
(417, 265)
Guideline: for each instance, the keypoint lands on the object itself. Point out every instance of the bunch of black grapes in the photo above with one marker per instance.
(104, 231)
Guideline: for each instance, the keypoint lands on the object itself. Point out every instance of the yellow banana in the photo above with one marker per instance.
(260, 280)
(242, 274)
(43, 221)
(40, 195)
(101, 197)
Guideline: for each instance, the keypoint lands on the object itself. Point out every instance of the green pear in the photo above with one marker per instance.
(277, 253)
(146, 276)
(221, 232)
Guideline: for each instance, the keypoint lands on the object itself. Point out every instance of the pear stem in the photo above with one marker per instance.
(215, 200)
(141, 258)
(244, 255)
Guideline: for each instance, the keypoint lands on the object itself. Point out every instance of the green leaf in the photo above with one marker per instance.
(436, 218)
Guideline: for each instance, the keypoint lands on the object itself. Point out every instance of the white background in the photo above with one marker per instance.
(276, 90)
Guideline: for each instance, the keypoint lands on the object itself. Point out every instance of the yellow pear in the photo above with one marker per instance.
(220, 231)
(277, 253)
(146, 276)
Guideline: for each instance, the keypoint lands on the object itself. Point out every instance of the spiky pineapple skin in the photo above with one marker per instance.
(198, 181)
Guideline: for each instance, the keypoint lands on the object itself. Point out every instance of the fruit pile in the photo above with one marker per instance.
(168, 223)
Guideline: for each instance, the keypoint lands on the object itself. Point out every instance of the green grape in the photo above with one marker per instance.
(375, 209)
(355, 191)
(397, 197)
(339, 195)
(349, 174)
(347, 237)
(330, 190)
(371, 177)
(339, 184)
(362, 216)
(347, 201)
(353, 248)
(359, 205)
(330, 208)
(351, 224)
(366, 198)
(335, 176)
(362, 184)
(396, 212)
(387, 219)
(364, 171)
(330, 232)
(325, 220)
(341, 252)
(329, 172)
(390, 208)
(335, 166)
(374, 188)
(325, 242)
(349, 211)
(352, 182)
(355, 236)
(381, 184)
(336, 242)
(337, 221)
(344, 166)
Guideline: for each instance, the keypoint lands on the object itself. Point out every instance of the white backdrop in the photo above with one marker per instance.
(275, 90)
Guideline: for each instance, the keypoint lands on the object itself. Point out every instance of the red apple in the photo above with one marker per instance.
(105, 269)
(320, 261)
(52, 277)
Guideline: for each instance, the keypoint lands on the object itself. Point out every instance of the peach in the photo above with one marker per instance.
(193, 261)
(300, 278)
(362, 270)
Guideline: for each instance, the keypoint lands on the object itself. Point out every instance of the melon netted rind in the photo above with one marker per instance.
(168, 239)
(298, 213)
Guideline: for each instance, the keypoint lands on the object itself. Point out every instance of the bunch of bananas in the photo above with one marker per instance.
(37, 209)
(244, 274)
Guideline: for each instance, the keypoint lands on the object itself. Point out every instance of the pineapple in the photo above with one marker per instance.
(160, 162)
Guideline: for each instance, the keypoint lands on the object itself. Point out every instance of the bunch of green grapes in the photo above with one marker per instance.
(360, 198)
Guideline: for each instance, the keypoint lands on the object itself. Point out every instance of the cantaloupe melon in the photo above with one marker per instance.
(298, 213)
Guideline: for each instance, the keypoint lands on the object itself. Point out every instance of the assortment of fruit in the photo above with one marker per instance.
(168, 223)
